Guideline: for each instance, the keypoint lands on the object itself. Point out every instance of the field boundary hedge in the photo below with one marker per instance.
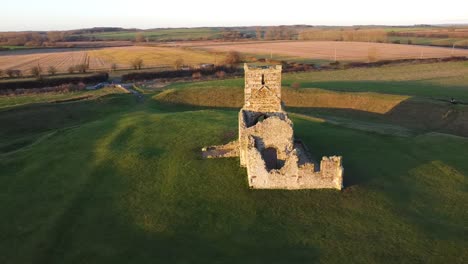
(50, 82)
(136, 76)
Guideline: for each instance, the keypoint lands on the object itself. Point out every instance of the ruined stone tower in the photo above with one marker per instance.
(266, 144)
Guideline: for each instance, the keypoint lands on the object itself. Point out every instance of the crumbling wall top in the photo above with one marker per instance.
(253, 67)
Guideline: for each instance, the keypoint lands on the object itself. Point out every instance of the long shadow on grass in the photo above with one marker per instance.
(149, 198)
(419, 116)
(419, 176)
(36, 118)
(137, 192)
(412, 88)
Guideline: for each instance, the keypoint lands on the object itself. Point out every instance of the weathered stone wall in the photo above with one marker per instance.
(264, 128)
(262, 88)
(278, 133)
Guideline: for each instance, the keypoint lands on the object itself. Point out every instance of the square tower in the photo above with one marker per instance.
(262, 88)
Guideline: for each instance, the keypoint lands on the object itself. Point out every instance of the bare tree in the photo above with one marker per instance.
(258, 33)
(113, 67)
(36, 71)
(54, 36)
(231, 34)
(10, 73)
(139, 37)
(137, 63)
(14, 73)
(1, 72)
(178, 63)
(71, 69)
(82, 68)
(233, 58)
(269, 34)
(52, 70)
(277, 33)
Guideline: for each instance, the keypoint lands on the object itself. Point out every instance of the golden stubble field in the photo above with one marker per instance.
(102, 59)
(345, 51)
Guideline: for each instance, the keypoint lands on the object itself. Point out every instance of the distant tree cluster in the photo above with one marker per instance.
(229, 34)
(178, 63)
(81, 68)
(14, 73)
(435, 33)
(279, 33)
(50, 82)
(139, 37)
(32, 38)
(365, 35)
(36, 71)
(137, 63)
(52, 70)
(233, 58)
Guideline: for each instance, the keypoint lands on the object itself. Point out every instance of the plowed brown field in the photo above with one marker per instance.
(347, 51)
(102, 59)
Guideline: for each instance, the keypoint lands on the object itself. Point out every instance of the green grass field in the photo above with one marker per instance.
(444, 42)
(53, 97)
(116, 180)
(161, 34)
(14, 47)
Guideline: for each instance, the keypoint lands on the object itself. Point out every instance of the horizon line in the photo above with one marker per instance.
(278, 25)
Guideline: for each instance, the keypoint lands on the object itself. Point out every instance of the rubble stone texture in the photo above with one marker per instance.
(266, 144)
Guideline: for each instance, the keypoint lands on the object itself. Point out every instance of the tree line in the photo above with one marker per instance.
(32, 38)
(364, 35)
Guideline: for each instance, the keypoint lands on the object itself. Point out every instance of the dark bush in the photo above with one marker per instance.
(177, 73)
(389, 62)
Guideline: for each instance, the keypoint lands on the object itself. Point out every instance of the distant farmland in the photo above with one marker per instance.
(345, 51)
(102, 59)
(193, 53)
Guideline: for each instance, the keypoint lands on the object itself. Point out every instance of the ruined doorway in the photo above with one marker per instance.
(270, 156)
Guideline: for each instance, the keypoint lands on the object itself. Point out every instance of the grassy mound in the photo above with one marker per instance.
(117, 180)
(127, 184)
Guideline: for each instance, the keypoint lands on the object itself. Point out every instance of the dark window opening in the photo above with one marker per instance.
(261, 118)
(263, 79)
(270, 156)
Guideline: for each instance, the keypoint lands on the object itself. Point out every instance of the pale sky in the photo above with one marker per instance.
(144, 14)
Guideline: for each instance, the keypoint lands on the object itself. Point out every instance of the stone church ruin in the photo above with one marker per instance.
(266, 144)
